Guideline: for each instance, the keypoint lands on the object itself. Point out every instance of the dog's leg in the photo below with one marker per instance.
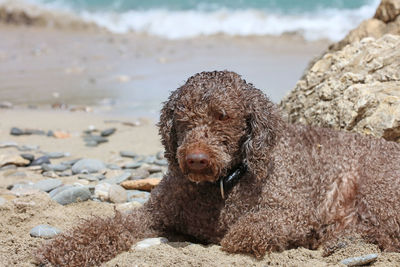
(97, 240)
(269, 230)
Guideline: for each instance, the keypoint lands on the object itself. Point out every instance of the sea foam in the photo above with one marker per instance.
(332, 24)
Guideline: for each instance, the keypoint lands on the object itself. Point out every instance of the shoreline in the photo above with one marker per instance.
(134, 73)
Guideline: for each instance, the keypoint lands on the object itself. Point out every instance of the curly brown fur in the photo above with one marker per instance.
(304, 186)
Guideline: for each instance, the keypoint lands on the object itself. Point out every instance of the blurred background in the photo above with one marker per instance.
(127, 55)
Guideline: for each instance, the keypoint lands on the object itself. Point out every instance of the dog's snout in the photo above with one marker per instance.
(197, 160)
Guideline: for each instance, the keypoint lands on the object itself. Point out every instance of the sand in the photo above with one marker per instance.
(119, 78)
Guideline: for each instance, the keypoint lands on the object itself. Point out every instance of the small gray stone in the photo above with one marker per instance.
(56, 155)
(98, 139)
(55, 167)
(154, 169)
(161, 162)
(50, 174)
(28, 147)
(65, 173)
(50, 133)
(160, 155)
(149, 159)
(91, 177)
(72, 194)
(8, 144)
(58, 190)
(138, 196)
(132, 165)
(34, 131)
(16, 131)
(6, 104)
(139, 174)
(108, 132)
(70, 162)
(117, 194)
(128, 154)
(47, 185)
(28, 156)
(41, 160)
(91, 143)
(358, 261)
(88, 166)
(113, 167)
(45, 231)
(118, 179)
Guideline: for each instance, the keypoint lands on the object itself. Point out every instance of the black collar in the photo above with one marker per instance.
(229, 181)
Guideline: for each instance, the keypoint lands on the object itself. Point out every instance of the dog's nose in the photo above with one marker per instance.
(197, 161)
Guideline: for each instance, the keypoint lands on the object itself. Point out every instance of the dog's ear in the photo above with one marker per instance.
(167, 130)
(264, 129)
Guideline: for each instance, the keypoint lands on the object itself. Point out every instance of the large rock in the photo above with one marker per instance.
(356, 88)
(385, 21)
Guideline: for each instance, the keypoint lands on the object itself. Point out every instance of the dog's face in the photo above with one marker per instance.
(210, 126)
(216, 122)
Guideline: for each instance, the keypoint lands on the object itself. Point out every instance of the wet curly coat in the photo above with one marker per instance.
(303, 186)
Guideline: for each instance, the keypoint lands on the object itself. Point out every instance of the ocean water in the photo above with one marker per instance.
(174, 19)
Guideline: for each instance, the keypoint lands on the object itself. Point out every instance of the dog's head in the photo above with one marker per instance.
(216, 122)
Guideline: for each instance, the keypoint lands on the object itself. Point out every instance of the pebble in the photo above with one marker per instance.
(102, 191)
(8, 144)
(154, 169)
(118, 179)
(161, 162)
(128, 154)
(6, 104)
(91, 177)
(41, 160)
(149, 242)
(55, 167)
(160, 155)
(108, 132)
(13, 159)
(50, 174)
(86, 166)
(57, 155)
(16, 131)
(149, 159)
(2, 201)
(96, 138)
(28, 156)
(58, 190)
(358, 261)
(117, 194)
(72, 195)
(91, 143)
(45, 231)
(132, 165)
(70, 162)
(139, 174)
(48, 184)
(34, 131)
(113, 167)
(28, 147)
(144, 184)
(138, 196)
(8, 167)
(65, 173)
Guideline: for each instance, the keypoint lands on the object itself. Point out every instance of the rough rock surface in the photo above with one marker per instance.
(356, 89)
(385, 21)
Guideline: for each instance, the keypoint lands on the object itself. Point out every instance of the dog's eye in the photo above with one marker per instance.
(222, 116)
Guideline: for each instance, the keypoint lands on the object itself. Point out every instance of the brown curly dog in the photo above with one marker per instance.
(242, 178)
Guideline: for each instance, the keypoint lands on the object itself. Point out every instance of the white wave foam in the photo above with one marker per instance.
(332, 24)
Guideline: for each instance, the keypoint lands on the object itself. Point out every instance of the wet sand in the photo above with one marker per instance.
(134, 73)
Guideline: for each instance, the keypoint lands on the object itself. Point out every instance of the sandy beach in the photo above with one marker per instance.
(72, 80)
